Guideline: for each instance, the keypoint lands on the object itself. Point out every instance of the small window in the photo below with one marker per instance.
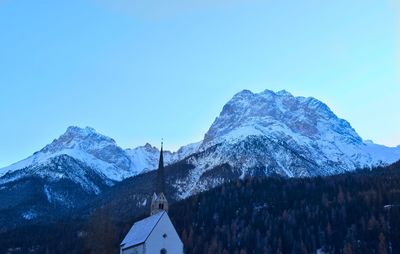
(163, 251)
(160, 206)
(164, 235)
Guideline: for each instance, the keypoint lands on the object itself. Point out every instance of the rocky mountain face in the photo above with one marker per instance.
(105, 159)
(272, 133)
(95, 150)
(256, 134)
(69, 172)
(266, 134)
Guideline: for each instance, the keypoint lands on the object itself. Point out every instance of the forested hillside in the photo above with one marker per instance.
(351, 213)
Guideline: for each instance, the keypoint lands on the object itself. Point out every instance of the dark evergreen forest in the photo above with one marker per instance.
(357, 212)
(351, 213)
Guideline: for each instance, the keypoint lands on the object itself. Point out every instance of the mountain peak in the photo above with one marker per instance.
(267, 92)
(271, 93)
(284, 93)
(276, 114)
(75, 130)
(83, 133)
(243, 94)
(246, 94)
(79, 138)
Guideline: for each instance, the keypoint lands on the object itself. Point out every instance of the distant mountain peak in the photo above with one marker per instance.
(269, 93)
(270, 113)
(243, 93)
(78, 131)
(79, 138)
(150, 146)
(278, 133)
(256, 134)
(97, 152)
(75, 131)
(284, 93)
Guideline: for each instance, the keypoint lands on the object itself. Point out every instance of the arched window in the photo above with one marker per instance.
(163, 251)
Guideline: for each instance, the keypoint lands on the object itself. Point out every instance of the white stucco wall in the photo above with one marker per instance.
(155, 242)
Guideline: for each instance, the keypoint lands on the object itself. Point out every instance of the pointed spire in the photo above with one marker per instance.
(159, 202)
(160, 172)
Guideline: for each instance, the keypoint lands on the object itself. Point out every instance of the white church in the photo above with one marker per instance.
(155, 234)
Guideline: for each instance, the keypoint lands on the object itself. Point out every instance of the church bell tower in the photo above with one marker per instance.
(159, 201)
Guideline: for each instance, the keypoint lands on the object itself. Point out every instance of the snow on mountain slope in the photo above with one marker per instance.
(145, 158)
(256, 134)
(59, 168)
(270, 113)
(278, 133)
(305, 124)
(182, 153)
(96, 151)
(86, 145)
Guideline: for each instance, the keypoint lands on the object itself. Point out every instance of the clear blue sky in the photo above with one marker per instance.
(138, 72)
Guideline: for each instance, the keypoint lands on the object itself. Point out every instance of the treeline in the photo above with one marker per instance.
(350, 213)
(357, 212)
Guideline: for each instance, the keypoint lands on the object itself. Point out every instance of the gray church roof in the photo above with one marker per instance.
(141, 230)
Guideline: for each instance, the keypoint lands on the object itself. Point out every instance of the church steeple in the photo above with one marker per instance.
(159, 201)
(160, 172)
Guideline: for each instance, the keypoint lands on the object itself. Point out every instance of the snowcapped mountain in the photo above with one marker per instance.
(256, 134)
(97, 153)
(277, 133)
(306, 125)
(145, 158)
(86, 145)
(69, 172)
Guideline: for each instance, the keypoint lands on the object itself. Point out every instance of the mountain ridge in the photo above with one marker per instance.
(295, 124)
(256, 134)
(100, 152)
